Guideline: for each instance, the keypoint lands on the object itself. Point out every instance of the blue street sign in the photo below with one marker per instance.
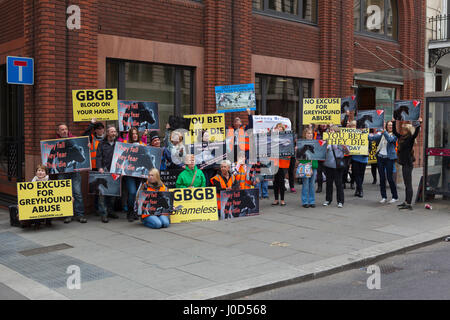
(20, 70)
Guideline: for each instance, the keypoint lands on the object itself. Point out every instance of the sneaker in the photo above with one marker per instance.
(393, 201)
(406, 206)
(293, 190)
(312, 205)
(104, 219)
(401, 204)
(305, 206)
(326, 203)
(340, 205)
(81, 219)
(383, 200)
(68, 220)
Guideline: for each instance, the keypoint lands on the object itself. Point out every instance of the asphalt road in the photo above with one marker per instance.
(421, 274)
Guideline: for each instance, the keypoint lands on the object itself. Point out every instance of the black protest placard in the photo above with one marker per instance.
(169, 177)
(104, 184)
(155, 203)
(135, 160)
(239, 203)
(311, 149)
(407, 110)
(274, 145)
(348, 104)
(140, 114)
(66, 155)
(370, 119)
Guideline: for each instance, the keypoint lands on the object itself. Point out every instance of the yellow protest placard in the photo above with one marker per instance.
(372, 152)
(194, 204)
(356, 140)
(214, 123)
(322, 111)
(45, 199)
(95, 103)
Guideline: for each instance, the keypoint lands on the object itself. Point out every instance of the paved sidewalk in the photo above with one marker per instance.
(222, 259)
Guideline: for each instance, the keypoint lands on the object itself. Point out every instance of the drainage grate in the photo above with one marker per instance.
(40, 250)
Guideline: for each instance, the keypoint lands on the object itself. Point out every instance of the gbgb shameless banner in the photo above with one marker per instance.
(239, 203)
(66, 155)
(135, 160)
(140, 114)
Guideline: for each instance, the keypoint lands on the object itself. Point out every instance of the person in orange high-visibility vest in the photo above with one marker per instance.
(96, 133)
(223, 180)
(153, 183)
(237, 137)
(241, 173)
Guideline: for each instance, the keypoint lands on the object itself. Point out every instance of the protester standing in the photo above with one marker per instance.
(334, 167)
(308, 183)
(406, 158)
(105, 154)
(280, 165)
(386, 156)
(318, 135)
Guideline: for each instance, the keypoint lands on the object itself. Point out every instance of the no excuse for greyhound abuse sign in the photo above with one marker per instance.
(322, 111)
(95, 103)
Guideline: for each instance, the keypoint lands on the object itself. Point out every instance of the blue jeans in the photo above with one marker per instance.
(132, 184)
(105, 204)
(308, 194)
(78, 205)
(263, 187)
(385, 168)
(156, 222)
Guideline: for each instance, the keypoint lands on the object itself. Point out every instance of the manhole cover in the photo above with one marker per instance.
(56, 247)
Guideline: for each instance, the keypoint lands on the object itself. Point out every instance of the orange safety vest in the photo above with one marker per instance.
(94, 145)
(243, 139)
(162, 188)
(281, 163)
(241, 178)
(223, 185)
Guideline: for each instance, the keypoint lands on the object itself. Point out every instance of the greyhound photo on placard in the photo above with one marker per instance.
(348, 104)
(311, 149)
(370, 119)
(239, 203)
(66, 155)
(135, 160)
(140, 114)
(155, 203)
(105, 184)
(407, 110)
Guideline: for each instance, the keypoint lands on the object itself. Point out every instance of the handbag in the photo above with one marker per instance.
(340, 164)
(304, 170)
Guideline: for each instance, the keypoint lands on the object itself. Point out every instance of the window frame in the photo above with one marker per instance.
(177, 81)
(265, 11)
(384, 36)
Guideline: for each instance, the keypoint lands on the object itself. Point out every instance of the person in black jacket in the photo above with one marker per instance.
(406, 158)
(104, 158)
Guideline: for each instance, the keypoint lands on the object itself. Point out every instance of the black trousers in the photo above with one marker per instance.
(358, 170)
(291, 173)
(319, 176)
(278, 184)
(407, 179)
(374, 170)
(334, 175)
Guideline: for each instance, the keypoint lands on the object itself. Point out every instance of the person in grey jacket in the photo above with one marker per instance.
(332, 173)
(386, 156)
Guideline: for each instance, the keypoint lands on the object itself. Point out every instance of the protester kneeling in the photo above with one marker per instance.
(153, 183)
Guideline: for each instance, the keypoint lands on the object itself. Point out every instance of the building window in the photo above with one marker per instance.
(282, 96)
(170, 86)
(376, 17)
(293, 9)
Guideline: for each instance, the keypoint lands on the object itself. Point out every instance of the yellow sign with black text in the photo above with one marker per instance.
(321, 111)
(45, 199)
(214, 124)
(356, 140)
(100, 104)
(194, 204)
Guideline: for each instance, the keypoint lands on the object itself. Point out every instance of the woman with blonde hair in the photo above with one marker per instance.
(406, 158)
(153, 183)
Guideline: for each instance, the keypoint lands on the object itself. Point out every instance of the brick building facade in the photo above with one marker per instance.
(190, 47)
